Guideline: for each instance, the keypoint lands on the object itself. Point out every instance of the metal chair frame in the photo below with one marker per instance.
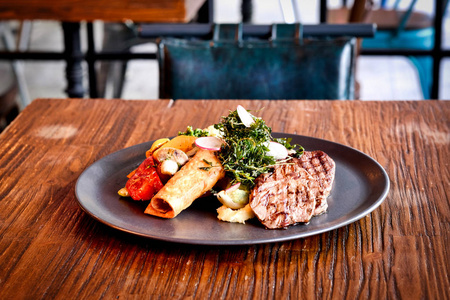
(74, 56)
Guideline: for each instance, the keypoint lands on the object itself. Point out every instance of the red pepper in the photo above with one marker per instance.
(145, 182)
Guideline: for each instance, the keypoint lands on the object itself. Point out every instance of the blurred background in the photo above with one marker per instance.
(380, 77)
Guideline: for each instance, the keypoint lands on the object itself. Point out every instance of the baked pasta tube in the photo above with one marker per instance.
(195, 178)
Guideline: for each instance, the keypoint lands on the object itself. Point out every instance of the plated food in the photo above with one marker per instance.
(191, 182)
(239, 162)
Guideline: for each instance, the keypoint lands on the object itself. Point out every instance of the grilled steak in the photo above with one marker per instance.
(285, 197)
(294, 192)
(322, 168)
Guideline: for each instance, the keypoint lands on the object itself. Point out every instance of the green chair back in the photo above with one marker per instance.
(283, 66)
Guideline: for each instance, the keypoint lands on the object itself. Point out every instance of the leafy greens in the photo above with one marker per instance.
(244, 153)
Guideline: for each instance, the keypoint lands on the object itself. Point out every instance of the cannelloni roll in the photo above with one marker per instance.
(195, 178)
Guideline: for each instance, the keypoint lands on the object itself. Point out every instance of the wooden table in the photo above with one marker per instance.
(106, 10)
(72, 12)
(50, 248)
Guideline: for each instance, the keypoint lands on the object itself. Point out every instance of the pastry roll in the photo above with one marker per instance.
(195, 178)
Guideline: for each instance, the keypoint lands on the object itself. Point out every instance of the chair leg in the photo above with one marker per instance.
(9, 109)
(111, 75)
(289, 11)
(17, 66)
(117, 78)
(424, 66)
(111, 79)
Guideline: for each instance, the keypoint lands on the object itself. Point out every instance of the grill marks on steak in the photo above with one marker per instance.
(284, 197)
(322, 168)
(294, 192)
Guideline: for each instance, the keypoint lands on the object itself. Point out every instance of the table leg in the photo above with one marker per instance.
(74, 58)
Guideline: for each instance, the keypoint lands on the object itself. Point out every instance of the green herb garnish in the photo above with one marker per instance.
(210, 164)
(194, 132)
(244, 153)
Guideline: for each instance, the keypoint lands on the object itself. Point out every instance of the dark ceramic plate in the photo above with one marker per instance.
(361, 184)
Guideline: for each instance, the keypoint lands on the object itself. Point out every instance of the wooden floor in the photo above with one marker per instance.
(381, 78)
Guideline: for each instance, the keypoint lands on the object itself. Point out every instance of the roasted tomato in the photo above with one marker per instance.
(145, 182)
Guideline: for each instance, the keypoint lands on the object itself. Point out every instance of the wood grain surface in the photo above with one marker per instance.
(51, 249)
(107, 10)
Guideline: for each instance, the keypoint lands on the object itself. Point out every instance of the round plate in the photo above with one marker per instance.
(360, 186)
